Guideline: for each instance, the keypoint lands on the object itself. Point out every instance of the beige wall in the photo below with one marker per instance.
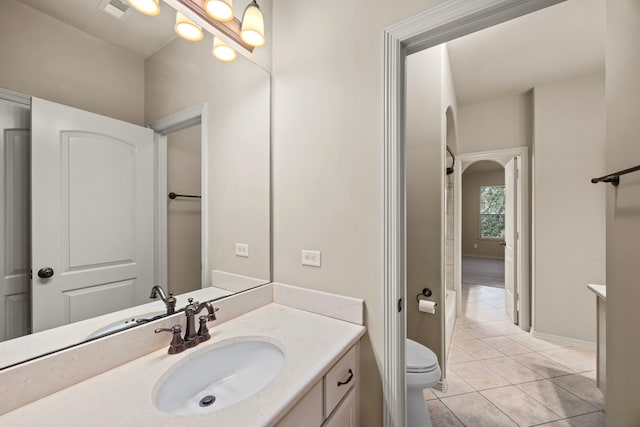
(54, 61)
(492, 125)
(623, 213)
(569, 219)
(430, 93)
(471, 183)
(425, 172)
(327, 156)
(237, 95)
(184, 228)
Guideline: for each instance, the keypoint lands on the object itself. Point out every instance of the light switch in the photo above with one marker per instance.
(311, 258)
(242, 249)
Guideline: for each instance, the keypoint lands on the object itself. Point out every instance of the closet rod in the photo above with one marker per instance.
(614, 178)
(173, 195)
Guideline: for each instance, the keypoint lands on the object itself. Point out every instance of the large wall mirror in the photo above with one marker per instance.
(105, 113)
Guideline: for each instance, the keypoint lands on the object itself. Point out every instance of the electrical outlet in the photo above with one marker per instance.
(242, 249)
(475, 246)
(311, 258)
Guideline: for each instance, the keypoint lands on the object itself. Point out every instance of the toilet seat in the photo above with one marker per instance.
(419, 358)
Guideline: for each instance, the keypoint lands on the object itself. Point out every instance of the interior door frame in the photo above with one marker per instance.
(445, 22)
(522, 220)
(192, 116)
(24, 100)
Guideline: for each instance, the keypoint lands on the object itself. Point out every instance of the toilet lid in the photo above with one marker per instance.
(420, 359)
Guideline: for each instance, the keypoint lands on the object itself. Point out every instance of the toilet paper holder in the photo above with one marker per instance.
(426, 292)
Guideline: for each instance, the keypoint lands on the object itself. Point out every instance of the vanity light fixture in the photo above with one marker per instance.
(222, 10)
(187, 29)
(146, 7)
(252, 30)
(222, 51)
(218, 18)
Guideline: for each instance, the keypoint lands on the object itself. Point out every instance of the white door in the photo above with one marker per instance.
(93, 214)
(510, 267)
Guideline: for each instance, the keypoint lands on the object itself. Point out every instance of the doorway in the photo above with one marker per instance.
(445, 22)
(181, 141)
(184, 210)
(498, 235)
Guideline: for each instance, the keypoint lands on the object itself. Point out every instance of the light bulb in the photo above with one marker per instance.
(252, 30)
(222, 10)
(222, 51)
(188, 29)
(146, 7)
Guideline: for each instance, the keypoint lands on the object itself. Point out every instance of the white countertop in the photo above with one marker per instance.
(599, 290)
(124, 396)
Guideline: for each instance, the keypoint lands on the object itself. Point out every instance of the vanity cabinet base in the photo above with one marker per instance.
(332, 402)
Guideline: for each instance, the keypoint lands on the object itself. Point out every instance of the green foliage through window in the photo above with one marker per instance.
(492, 212)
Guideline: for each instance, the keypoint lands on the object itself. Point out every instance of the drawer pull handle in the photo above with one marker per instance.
(348, 380)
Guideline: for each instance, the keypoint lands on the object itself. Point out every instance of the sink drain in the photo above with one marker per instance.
(207, 401)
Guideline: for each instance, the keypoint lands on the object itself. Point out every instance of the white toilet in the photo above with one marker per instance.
(423, 372)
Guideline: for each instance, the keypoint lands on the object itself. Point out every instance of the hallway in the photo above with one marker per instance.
(483, 271)
(499, 375)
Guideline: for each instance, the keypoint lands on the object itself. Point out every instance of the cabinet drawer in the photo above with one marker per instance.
(339, 380)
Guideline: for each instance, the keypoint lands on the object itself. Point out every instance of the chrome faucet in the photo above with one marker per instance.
(191, 337)
(169, 301)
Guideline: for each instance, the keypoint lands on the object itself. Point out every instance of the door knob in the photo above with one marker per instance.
(503, 244)
(45, 272)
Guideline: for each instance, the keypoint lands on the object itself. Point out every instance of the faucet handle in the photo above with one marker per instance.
(175, 329)
(203, 331)
(177, 343)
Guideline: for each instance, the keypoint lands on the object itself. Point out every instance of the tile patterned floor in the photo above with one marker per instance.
(499, 375)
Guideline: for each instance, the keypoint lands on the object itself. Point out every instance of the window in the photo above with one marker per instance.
(492, 212)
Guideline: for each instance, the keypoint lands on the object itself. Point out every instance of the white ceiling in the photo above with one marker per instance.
(139, 34)
(511, 58)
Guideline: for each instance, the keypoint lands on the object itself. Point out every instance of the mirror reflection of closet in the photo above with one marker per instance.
(184, 210)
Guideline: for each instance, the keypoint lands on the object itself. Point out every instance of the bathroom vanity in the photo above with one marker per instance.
(316, 336)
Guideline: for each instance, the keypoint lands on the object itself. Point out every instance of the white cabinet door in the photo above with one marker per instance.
(510, 266)
(345, 414)
(93, 214)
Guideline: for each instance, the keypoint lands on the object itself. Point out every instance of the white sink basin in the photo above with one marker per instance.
(125, 323)
(219, 377)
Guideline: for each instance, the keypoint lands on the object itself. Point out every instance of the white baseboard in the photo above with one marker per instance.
(563, 340)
